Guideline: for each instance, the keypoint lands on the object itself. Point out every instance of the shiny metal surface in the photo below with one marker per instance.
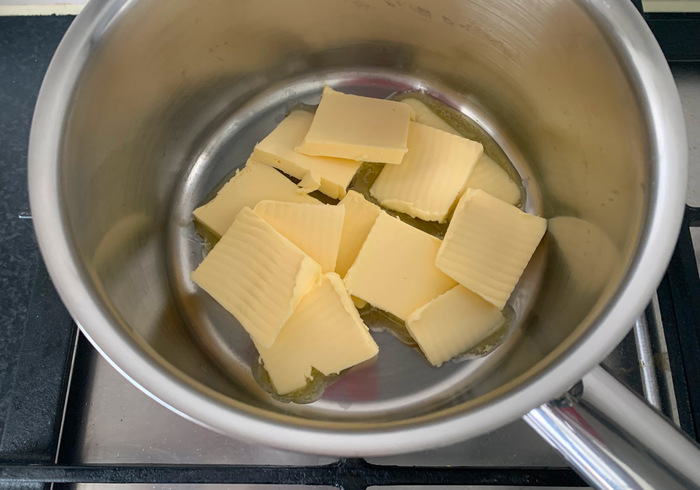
(616, 440)
(646, 361)
(687, 78)
(139, 94)
(121, 425)
(662, 366)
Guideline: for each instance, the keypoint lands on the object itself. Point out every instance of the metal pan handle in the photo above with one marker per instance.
(614, 439)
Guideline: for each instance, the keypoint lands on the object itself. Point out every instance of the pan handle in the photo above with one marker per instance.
(614, 439)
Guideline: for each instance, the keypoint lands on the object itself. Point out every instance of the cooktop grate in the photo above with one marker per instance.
(43, 357)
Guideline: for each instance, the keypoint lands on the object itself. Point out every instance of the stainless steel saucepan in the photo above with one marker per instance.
(148, 104)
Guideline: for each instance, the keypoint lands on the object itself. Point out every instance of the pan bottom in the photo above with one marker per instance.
(399, 379)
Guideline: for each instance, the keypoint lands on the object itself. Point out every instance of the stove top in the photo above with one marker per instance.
(66, 416)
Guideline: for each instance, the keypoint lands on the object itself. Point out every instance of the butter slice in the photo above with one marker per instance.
(487, 174)
(395, 269)
(257, 275)
(310, 182)
(432, 175)
(488, 245)
(314, 228)
(358, 128)
(453, 323)
(324, 332)
(492, 178)
(277, 150)
(250, 185)
(360, 215)
(425, 115)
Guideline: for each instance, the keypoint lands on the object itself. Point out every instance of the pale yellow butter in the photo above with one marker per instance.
(277, 150)
(250, 185)
(488, 245)
(426, 116)
(360, 215)
(314, 228)
(492, 178)
(359, 303)
(324, 332)
(453, 323)
(310, 182)
(487, 175)
(358, 128)
(258, 275)
(395, 269)
(432, 175)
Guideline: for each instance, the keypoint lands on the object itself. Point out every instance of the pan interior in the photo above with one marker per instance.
(399, 379)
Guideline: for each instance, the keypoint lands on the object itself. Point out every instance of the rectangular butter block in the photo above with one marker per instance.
(249, 186)
(488, 244)
(395, 269)
(314, 228)
(453, 323)
(257, 275)
(425, 115)
(490, 177)
(431, 176)
(324, 332)
(277, 150)
(358, 128)
(360, 215)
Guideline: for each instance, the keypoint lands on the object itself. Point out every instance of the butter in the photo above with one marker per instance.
(487, 175)
(324, 332)
(432, 175)
(426, 116)
(453, 323)
(358, 128)
(277, 150)
(257, 275)
(250, 185)
(359, 303)
(488, 245)
(360, 215)
(314, 228)
(492, 178)
(395, 269)
(310, 182)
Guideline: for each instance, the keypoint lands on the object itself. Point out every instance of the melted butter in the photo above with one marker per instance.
(209, 239)
(315, 385)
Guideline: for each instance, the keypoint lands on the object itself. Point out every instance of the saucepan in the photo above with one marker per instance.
(148, 105)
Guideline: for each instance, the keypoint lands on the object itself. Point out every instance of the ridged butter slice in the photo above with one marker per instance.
(395, 269)
(425, 115)
(250, 185)
(431, 176)
(453, 323)
(314, 228)
(277, 150)
(492, 178)
(360, 215)
(487, 174)
(325, 332)
(358, 128)
(488, 245)
(257, 275)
